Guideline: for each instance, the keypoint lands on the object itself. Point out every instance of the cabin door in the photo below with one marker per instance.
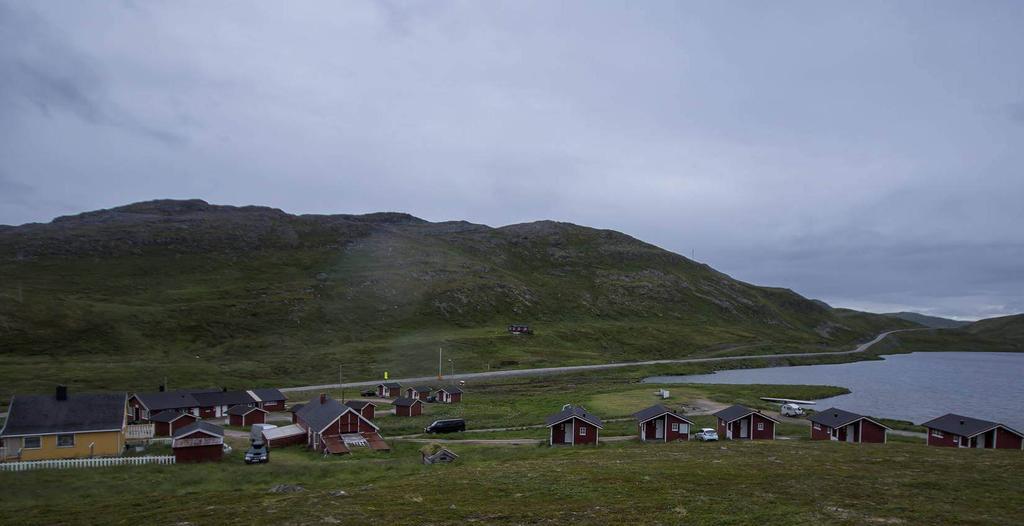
(744, 428)
(659, 429)
(567, 433)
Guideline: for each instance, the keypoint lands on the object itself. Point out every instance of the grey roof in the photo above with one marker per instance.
(406, 402)
(296, 408)
(422, 388)
(243, 410)
(270, 394)
(571, 412)
(451, 389)
(44, 414)
(391, 385)
(359, 404)
(161, 400)
(318, 415)
(200, 425)
(655, 411)
(736, 412)
(228, 398)
(833, 417)
(964, 425)
(168, 416)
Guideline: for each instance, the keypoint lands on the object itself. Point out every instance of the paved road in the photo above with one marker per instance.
(558, 370)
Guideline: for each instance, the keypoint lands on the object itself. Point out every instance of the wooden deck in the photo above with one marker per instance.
(334, 445)
(375, 442)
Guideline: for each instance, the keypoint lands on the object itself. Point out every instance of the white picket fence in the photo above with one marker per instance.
(84, 463)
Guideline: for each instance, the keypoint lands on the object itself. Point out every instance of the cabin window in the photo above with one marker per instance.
(760, 426)
(817, 427)
(583, 431)
(675, 427)
(32, 442)
(65, 440)
(936, 433)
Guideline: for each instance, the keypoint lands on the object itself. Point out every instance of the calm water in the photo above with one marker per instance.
(916, 387)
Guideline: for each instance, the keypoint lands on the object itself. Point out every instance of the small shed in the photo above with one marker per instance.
(294, 410)
(519, 328)
(953, 430)
(743, 423)
(408, 406)
(661, 424)
(364, 407)
(449, 394)
(421, 392)
(165, 423)
(284, 435)
(435, 454)
(389, 390)
(844, 426)
(244, 416)
(573, 425)
(198, 442)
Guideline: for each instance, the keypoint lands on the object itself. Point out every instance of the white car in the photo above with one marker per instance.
(706, 435)
(791, 409)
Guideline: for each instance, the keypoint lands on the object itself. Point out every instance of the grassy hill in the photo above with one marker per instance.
(934, 322)
(1003, 334)
(238, 296)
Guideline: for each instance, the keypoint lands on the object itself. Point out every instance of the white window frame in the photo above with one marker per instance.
(937, 434)
(72, 435)
(24, 442)
(675, 427)
(583, 431)
(760, 426)
(817, 427)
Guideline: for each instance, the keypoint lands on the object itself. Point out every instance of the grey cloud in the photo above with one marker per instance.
(53, 77)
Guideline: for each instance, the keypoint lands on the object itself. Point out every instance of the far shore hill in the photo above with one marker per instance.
(248, 296)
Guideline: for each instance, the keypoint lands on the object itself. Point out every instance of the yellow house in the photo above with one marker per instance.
(41, 427)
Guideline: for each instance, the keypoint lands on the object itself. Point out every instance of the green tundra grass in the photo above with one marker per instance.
(780, 482)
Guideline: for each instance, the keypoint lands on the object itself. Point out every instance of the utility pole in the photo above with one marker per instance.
(439, 375)
(341, 384)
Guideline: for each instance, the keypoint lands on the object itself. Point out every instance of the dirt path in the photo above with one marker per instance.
(558, 370)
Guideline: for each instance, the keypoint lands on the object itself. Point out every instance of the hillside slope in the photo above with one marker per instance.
(934, 322)
(220, 295)
(1003, 334)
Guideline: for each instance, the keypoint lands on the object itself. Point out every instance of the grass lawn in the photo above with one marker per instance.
(780, 482)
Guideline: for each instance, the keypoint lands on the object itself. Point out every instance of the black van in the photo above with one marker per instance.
(451, 425)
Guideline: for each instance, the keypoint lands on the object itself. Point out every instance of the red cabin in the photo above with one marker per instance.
(166, 423)
(243, 416)
(449, 395)
(660, 424)
(408, 406)
(844, 426)
(573, 425)
(389, 390)
(421, 392)
(963, 431)
(268, 399)
(743, 423)
(364, 408)
(198, 442)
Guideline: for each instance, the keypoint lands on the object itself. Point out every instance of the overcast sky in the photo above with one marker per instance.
(867, 154)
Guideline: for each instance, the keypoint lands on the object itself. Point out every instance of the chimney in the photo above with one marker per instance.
(163, 388)
(323, 398)
(62, 392)
(961, 422)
